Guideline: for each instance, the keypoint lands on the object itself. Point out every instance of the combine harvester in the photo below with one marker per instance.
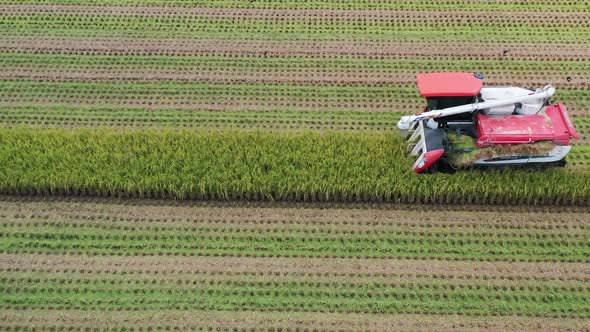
(467, 125)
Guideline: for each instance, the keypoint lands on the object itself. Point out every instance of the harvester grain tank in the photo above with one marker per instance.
(466, 124)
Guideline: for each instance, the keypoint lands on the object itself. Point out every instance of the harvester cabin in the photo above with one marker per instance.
(444, 90)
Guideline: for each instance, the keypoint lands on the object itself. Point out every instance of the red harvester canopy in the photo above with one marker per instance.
(448, 84)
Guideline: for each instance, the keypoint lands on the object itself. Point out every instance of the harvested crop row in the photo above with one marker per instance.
(440, 49)
(238, 219)
(39, 280)
(255, 165)
(260, 96)
(286, 28)
(402, 16)
(137, 118)
(284, 76)
(292, 69)
(194, 95)
(287, 64)
(116, 212)
(256, 295)
(441, 5)
(16, 320)
(362, 268)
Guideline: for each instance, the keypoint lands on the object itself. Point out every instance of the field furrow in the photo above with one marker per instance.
(41, 280)
(45, 319)
(442, 49)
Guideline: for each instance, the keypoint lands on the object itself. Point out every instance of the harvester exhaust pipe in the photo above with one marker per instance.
(404, 122)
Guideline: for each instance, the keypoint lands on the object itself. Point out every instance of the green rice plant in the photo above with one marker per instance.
(286, 27)
(269, 294)
(308, 166)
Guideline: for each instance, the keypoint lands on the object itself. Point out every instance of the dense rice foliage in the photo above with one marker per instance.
(308, 166)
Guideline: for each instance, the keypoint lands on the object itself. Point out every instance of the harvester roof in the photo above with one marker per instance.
(448, 84)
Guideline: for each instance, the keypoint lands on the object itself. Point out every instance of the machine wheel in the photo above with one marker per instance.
(543, 166)
(433, 168)
(441, 166)
(561, 163)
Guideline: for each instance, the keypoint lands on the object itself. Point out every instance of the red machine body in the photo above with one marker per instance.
(554, 126)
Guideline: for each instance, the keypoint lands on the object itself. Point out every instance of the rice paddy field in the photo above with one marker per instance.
(224, 165)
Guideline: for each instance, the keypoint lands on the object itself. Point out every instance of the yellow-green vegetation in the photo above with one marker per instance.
(301, 166)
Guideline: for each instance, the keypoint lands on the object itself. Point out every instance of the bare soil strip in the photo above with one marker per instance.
(286, 321)
(157, 103)
(147, 213)
(360, 48)
(316, 266)
(344, 14)
(296, 76)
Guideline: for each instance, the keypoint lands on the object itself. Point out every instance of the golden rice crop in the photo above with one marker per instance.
(256, 165)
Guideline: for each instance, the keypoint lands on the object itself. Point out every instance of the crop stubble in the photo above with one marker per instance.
(515, 292)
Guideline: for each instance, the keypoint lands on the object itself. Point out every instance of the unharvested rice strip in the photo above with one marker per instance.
(91, 319)
(523, 17)
(365, 48)
(329, 116)
(321, 266)
(214, 75)
(102, 210)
